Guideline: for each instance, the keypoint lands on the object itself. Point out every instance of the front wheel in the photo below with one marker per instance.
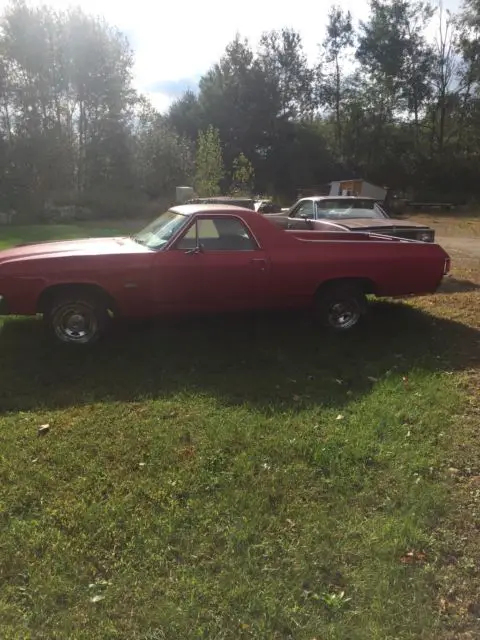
(341, 308)
(77, 320)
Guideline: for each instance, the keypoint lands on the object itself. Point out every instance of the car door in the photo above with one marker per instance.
(302, 215)
(220, 267)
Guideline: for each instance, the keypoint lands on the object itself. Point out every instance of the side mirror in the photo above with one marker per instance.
(195, 250)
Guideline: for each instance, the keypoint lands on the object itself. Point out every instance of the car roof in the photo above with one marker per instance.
(191, 209)
(220, 199)
(339, 198)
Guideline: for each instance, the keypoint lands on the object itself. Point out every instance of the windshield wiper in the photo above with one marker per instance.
(135, 239)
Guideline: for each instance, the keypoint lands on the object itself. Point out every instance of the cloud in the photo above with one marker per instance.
(174, 88)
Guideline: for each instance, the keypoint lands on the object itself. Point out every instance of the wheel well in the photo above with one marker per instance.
(366, 285)
(48, 295)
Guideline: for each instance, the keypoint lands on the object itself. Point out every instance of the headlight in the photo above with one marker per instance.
(425, 236)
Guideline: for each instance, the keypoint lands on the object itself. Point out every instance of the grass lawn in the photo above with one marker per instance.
(217, 479)
(11, 235)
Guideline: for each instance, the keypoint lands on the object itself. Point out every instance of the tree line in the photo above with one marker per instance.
(393, 99)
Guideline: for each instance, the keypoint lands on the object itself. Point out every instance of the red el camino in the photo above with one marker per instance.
(211, 258)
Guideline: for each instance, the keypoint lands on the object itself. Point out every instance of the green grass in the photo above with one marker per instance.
(228, 479)
(12, 235)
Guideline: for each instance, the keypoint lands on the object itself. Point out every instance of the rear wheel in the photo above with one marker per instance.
(341, 307)
(77, 318)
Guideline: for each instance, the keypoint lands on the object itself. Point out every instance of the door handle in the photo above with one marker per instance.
(261, 262)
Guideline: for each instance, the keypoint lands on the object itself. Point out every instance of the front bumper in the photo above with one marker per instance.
(3, 306)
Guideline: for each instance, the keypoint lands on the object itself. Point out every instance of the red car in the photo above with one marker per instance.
(211, 258)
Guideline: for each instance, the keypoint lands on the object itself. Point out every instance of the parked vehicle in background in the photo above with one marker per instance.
(349, 213)
(211, 258)
(247, 203)
(267, 206)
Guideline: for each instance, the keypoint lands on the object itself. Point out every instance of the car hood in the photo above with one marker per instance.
(376, 223)
(86, 247)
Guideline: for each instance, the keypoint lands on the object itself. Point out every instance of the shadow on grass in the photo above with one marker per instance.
(271, 363)
(458, 285)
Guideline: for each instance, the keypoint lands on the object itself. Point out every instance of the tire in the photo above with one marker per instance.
(341, 307)
(77, 318)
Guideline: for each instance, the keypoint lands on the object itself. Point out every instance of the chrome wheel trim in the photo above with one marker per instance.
(75, 322)
(343, 315)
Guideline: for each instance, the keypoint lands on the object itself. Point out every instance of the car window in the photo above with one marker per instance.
(157, 234)
(348, 209)
(218, 234)
(305, 209)
(346, 204)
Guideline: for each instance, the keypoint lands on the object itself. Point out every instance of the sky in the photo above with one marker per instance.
(176, 42)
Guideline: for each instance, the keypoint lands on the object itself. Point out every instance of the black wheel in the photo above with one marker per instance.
(341, 307)
(78, 319)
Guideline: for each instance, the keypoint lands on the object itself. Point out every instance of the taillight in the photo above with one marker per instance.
(446, 266)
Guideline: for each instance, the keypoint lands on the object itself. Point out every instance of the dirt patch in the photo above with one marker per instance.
(451, 225)
(461, 247)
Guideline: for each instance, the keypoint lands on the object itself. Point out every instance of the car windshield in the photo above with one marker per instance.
(157, 234)
(348, 209)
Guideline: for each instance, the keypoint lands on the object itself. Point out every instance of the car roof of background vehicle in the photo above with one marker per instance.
(339, 198)
(219, 199)
(192, 209)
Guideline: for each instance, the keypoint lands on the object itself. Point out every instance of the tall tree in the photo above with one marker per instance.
(284, 63)
(67, 94)
(240, 100)
(338, 40)
(185, 115)
(243, 176)
(443, 76)
(163, 159)
(209, 167)
(394, 50)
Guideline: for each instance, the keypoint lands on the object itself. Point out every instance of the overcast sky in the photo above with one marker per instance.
(176, 42)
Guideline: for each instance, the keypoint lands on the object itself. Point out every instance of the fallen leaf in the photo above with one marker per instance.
(97, 599)
(187, 453)
(45, 428)
(413, 556)
(339, 417)
(443, 605)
